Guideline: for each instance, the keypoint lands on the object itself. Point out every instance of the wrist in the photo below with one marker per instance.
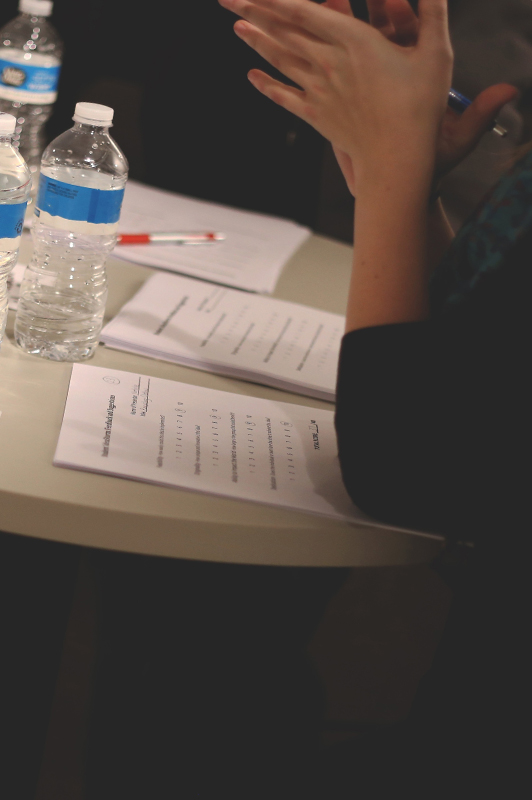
(395, 160)
(406, 176)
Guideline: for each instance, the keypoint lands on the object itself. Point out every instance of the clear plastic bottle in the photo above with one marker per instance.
(64, 289)
(30, 61)
(15, 187)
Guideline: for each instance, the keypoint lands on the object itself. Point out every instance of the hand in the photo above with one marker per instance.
(396, 21)
(273, 36)
(378, 102)
(459, 133)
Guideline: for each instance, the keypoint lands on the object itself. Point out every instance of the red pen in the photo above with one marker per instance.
(182, 237)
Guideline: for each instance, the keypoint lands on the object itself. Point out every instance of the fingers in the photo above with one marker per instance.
(256, 29)
(433, 23)
(394, 19)
(342, 6)
(317, 21)
(378, 18)
(404, 21)
(286, 96)
(294, 67)
(260, 21)
(478, 118)
(491, 100)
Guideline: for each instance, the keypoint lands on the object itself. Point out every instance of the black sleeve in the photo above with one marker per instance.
(431, 416)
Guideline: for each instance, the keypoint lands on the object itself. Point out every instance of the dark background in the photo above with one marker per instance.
(189, 120)
(185, 113)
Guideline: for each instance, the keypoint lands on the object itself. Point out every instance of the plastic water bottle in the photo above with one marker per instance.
(30, 61)
(64, 289)
(15, 187)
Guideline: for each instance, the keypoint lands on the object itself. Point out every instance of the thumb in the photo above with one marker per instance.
(478, 118)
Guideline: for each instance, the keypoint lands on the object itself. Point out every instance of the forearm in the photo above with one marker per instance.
(389, 282)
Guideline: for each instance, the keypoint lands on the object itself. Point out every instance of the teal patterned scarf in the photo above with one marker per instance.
(482, 243)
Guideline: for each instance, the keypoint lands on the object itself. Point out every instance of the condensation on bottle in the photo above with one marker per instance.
(15, 187)
(64, 289)
(30, 61)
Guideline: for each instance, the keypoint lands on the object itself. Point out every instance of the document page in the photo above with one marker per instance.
(251, 257)
(174, 434)
(235, 333)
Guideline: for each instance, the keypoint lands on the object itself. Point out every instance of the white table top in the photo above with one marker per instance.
(40, 500)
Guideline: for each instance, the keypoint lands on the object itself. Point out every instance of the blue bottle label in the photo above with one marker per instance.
(26, 83)
(78, 203)
(11, 220)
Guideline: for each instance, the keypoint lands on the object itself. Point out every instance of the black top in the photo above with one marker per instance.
(431, 416)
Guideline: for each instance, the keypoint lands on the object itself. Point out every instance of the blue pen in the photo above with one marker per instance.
(459, 103)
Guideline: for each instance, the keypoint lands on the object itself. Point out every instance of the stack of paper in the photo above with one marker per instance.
(251, 257)
(246, 336)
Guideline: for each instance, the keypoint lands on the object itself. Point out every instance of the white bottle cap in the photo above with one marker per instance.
(39, 8)
(93, 114)
(7, 124)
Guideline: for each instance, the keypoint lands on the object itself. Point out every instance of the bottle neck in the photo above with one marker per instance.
(88, 127)
(40, 18)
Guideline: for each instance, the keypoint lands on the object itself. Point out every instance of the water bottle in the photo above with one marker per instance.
(64, 289)
(30, 61)
(15, 187)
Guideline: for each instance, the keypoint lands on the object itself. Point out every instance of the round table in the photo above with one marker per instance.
(40, 500)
